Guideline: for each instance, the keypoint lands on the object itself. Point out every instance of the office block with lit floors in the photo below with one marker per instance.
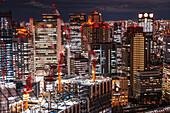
(6, 54)
(147, 87)
(106, 57)
(47, 40)
(22, 53)
(76, 19)
(94, 31)
(137, 53)
(120, 91)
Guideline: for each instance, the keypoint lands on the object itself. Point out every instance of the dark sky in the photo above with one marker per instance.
(114, 9)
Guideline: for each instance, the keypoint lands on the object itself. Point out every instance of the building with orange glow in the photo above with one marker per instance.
(94, 31)
(96, 34)
(22, 53)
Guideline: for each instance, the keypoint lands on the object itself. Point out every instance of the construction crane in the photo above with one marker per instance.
(60, 63)
(68, 37)
(26, 91)
(102, 9)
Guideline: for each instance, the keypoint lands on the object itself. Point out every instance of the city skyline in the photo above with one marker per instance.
(70, 57)
(113, 10)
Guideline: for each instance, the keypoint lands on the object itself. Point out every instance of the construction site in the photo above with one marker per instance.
(55, 93)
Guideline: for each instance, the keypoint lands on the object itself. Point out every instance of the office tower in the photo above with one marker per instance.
(105, 54)
(76, 19)
(60, 30)
(147, 87)
(166, 68)
(94, 31)
(96, 34)
(117, 33)
(79, 65)
(22, 53)
(156, 46)
(146, 20)
(6, 67)
(120, 91)
(137, 46)
(117, 36)
(46, 35)
(126, 55)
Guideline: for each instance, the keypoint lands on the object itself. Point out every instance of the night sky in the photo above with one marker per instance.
(114, 9)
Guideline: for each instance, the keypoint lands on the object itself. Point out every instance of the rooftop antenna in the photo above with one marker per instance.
(102, 9)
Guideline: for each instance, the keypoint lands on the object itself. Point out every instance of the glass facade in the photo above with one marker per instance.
(44, 38)
(6, 66)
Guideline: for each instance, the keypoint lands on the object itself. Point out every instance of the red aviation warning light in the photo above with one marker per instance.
(160, 66)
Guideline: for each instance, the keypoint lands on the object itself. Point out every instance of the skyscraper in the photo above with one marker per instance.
(94, 31)
(6, 66)
(96, 34)
(79, 64)
(137, 53)
(76, 19)
(47, 40)
(22, 53)
(146, 20)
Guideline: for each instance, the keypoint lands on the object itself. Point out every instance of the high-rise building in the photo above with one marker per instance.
(133, 55)
(46, 34)
(96, 34)
(94, 31)
(22, 53)
(126, 55)
(6, 66)
(146, 20)
(117, 34)
(76, 19)
(147, 87)
(156, 46)
(137, 54)
(117, 37)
